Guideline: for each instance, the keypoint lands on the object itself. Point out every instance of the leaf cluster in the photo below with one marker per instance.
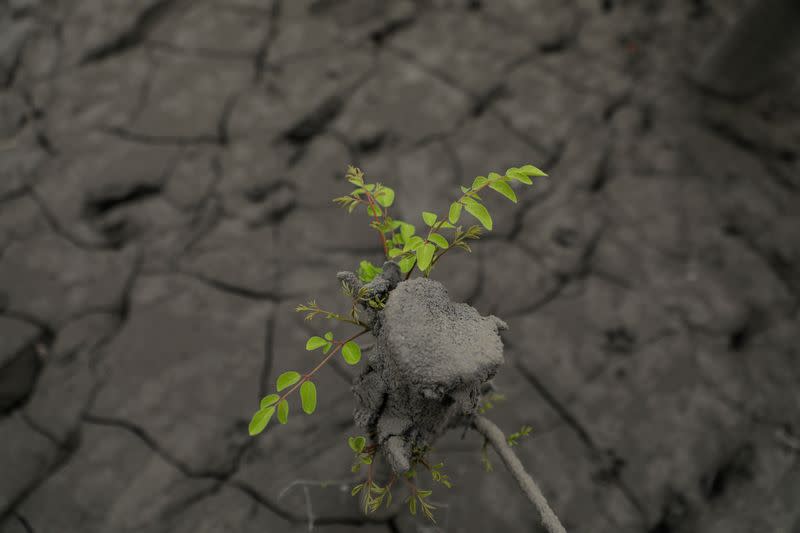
(420, 496)
(513, 439)
(292, 380)
(373, 495)
(489, 400)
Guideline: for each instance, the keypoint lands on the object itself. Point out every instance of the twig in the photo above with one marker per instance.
(309, 509)
(495, 436)
(342, 484)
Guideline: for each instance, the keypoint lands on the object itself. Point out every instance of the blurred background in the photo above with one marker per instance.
(166, 176)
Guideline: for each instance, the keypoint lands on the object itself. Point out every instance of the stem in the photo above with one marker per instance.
(495, 436)
(307, 376)
(328, 314)
(436, 258)
(375, 216)
(439, 224)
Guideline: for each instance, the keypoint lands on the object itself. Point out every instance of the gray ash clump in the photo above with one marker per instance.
(425, 374)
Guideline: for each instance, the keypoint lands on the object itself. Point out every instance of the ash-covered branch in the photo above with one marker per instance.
(497, 439)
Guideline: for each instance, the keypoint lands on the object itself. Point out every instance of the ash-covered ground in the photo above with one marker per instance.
(166, 175)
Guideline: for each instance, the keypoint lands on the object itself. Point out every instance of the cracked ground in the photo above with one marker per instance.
(166, 175)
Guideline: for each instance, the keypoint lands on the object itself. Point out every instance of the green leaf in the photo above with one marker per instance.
(464, 189)
(517, 174)
(455, 212)
(531, 170)
(412, 505)
(329, 335)
(327, 347)
(283, 412)
(367, 271)
(356, 489)
(308, 397)
(425, 255)
(314, 342)
(260, 420)
(351, 353)
(407, 263)
(413, 243)
(446, 224)
(429, 218)
(505, 189)
(494, 176)
(374, 210)
(385, 196)
(394, 252)
(287, 379)
(439, 240)
(266, 401)
(357, 444)
(407, 230)
(479, 211)
(478, 181)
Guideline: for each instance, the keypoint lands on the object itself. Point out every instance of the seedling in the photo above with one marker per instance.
(433, 358)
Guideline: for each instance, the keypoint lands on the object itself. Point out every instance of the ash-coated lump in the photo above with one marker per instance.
(425, 374)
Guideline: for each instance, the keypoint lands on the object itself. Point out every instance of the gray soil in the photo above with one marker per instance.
(427, 371)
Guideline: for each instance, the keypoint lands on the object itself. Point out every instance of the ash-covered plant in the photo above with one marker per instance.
(407, 249)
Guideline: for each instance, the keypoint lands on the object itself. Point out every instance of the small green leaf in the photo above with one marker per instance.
(413, 243)
(464, 189)
(287, 379)
(308, 397)
(367, 271)
(260, 420)
(314, 342)
(351, 353)
(494, 176)
(394, 252)
(425, 255)
(519, 175)
(455, 212)
(478, 181)
(266, 401)
(283, 412)
(356, 489)
(374, 210)
(327, 348)
(446, 224)
(357, 443)
(503, 188)
(531, 170)
(479, 211)
(439, 240)
(407, 230)
(429, 218)
(329, 335)
(412, 505)
(407, 263)
(385, 196)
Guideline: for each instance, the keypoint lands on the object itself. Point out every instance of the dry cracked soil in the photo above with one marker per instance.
(166, 175)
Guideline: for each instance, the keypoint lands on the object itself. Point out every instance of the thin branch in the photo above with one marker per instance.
(495, 436)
